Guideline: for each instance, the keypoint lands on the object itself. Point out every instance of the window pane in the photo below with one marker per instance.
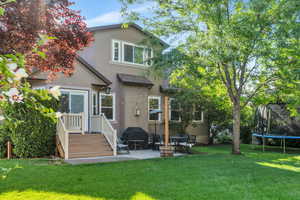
(108, 112)
(106, 101)
(153, 104)
(154, 116)
(148, 56)
(95, 107)
(198, 113)
(128, 53)
(175, 116)
(138, 55)
(77, 103)
(64, 103)
(116, 51)
(174, 105)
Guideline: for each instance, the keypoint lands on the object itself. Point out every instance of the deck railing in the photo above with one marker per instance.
(63, 136)
(109, 132)
(74, 122)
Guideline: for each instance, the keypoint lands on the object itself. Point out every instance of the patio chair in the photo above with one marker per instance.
(121, 146)
(189, 142)
(157, 142)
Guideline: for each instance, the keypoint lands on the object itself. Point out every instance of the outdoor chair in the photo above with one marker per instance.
(121, 146)
(188, 143)
(157, 142)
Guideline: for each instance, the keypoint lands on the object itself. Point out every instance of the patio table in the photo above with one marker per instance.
(135, 142)
(177, 140)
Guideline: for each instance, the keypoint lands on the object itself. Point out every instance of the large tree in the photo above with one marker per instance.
(248, 45)
(24, 21)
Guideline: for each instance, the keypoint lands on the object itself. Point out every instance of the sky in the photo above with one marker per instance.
(102, 12)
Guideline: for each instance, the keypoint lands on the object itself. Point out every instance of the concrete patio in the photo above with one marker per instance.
(133, 155)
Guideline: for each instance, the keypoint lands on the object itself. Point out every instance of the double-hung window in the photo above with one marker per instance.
(174, 110)
(107, 105)
(197, 113)
(154, 104)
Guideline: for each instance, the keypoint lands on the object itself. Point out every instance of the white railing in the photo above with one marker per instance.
(63, 136)
(96, 125)
(74, 122)
(109, 132)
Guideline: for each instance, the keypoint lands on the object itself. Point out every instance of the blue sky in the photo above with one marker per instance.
(102, 12)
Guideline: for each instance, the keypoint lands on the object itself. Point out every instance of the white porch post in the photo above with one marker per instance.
(82, 123)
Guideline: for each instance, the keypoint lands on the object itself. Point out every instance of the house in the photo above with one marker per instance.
(111, 81)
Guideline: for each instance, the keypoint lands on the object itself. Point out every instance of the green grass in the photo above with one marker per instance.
(214, 175)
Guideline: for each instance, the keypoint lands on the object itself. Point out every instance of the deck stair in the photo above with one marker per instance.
(73, 142)
(88, 145)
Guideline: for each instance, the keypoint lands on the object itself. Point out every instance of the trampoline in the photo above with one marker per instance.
(281, 137)
(268, 118)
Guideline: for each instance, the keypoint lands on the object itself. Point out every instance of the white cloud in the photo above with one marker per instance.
(113, 17)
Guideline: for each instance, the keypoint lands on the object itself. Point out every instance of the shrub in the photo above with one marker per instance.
(31, 130)
(223, 137)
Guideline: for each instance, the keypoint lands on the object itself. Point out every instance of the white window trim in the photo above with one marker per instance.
(121, 58)
(113, 51)
(202, 115)
(113, 106)
(159, 107)
(170, 111)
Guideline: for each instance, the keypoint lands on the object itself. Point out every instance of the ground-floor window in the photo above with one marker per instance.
(107, 105)
(198, 113)
(95, 104)
(154, 103)
(72, 101)
(174, 110)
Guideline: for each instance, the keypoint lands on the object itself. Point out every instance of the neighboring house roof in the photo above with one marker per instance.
(93, 70)
(129, 79)
(139, 28)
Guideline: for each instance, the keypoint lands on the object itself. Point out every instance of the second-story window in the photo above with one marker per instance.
(116, 50)
(129, 53)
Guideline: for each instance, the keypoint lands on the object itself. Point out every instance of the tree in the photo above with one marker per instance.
(248, 46)
(24, 21)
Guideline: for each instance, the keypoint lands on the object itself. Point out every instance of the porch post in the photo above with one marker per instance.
(166, 114)
(82, 123)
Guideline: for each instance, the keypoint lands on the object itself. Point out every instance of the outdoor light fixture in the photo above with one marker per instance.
(107, 90)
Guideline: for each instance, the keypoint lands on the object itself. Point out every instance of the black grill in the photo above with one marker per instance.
(135, 133)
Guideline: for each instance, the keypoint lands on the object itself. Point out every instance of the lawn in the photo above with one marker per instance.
(212, 175)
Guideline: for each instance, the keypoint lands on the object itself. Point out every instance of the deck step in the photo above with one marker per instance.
(88, 145)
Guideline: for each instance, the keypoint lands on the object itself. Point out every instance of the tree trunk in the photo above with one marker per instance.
(236, 128)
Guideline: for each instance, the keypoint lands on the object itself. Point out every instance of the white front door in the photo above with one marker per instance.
(75, 101)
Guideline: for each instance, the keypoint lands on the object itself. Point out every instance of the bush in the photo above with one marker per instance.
(223, 137)
(31, 131)
(3, 140)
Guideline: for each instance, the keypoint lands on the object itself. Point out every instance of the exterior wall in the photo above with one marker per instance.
(99, 55)
(82, 79)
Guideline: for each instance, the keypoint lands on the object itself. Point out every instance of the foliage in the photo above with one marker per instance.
(24, 20)
(223, 137)
(30, 125)
(249, 48)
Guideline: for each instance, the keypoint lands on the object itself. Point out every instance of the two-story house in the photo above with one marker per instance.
(111, 80)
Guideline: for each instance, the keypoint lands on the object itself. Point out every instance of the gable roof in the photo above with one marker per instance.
(133, 25)
(93, 70)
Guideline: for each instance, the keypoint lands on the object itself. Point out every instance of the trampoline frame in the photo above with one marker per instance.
(282, 137)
